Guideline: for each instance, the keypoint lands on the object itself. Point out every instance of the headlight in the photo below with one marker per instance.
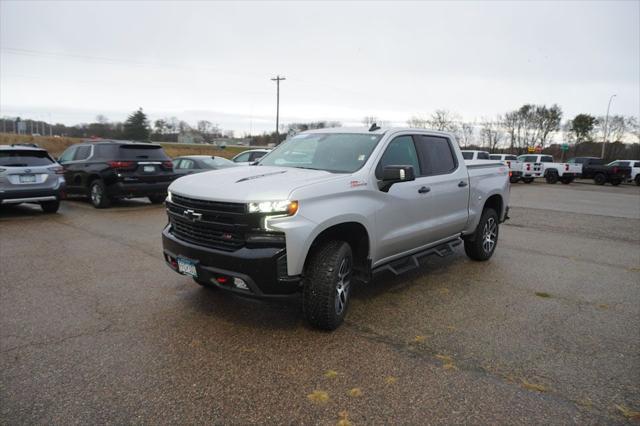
(284, 207)
(168, 197)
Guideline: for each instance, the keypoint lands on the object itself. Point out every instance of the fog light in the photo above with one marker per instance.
(239, 282)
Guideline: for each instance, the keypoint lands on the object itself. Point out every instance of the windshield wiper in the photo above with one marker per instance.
(308, 168)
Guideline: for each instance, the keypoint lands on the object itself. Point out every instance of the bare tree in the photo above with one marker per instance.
(418, 121)
(546, 121)
(369, 120)
(491, 134)
(465, 134)
(443, 120)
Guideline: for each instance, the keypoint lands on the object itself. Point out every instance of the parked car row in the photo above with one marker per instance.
(103, 171)
(528, 167)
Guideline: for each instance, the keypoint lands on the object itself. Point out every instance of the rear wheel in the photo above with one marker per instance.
(50, 206)
(482, 243)
(157, 198)
(327, 285)
(98, 194)
(600, 179)
(527, 180)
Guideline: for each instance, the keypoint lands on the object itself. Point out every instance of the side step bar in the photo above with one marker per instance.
(402, 265)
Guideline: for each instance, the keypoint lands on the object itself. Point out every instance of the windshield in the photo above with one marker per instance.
(333, 152)
(217, 162)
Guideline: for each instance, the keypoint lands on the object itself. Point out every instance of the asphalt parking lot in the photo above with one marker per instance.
(94, 328)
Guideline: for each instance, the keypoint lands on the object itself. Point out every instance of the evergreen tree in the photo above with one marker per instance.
(136, 127)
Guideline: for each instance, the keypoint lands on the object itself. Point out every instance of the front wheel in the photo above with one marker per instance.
(327, 285)
(552, 178)
(514, 179)
(482, 243)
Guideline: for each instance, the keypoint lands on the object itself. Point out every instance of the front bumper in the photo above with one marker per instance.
(263, 270)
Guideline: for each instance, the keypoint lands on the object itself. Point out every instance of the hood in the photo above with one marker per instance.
(248, 183)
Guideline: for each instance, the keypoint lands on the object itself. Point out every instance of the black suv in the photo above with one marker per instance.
(109, 169)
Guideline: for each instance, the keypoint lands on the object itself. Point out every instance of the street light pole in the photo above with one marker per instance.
(278, 79)
(606, 123)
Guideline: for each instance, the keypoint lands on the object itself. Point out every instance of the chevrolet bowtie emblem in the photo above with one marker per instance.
(191, 215)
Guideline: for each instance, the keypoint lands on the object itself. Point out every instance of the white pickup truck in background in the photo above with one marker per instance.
(542, 166)
(635, 168)
(475, 155)
(515, 167)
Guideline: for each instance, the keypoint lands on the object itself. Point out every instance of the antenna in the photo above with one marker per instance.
(374, 127)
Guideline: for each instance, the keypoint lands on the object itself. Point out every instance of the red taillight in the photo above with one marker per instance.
(528, 166)
(167, 165)
(566, 167)
(122, 165)
(59, 170)
(222, 280)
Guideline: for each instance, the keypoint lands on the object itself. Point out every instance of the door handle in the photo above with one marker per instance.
(462, 184)
(424, 190)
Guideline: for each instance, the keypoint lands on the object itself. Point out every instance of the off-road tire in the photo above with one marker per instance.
(552, 177)
(157, 199)
(98, 194)
(474, 244)
(321, 282)
(527, 180)
(600, 179)
(50, 206)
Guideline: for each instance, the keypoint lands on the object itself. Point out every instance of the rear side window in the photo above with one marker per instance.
(68, 154)
(436, 155)
(82, 153)
(546, 159)
(495, 157)
(400, 152)
(185, 164)
(529, 159)
(141, 152)
(18, 158)
(511, 158)
(483, 156)
(467, 155)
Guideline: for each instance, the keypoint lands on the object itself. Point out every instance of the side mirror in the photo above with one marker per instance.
(395, 174)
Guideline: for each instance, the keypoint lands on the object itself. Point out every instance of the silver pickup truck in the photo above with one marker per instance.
(331, 206)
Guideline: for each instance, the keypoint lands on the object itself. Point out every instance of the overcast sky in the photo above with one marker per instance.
(342, 61)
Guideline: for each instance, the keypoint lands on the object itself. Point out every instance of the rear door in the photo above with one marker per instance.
(448, 182)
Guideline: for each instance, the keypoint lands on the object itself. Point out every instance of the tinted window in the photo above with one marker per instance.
(400, 152)
(18, 158)
(436, 155)
(467, 155)
(141, 152)
(242, 157)
(546, 159)
(495, 157)
(68, 154)
(483, 155)
(636, 164)
(623, 163)
(256, 155)
(216, 162)
(528, 158)
(511, 158)
(82, 153)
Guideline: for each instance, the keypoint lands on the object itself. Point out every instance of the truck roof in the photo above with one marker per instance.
(380, 131)
(21, 147)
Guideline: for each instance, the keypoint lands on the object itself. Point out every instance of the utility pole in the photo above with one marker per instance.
(606, 122)
(278, 79)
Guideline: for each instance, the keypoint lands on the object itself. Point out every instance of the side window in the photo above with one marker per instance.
(256, 156)
(436, 155)
(483, 155)
(82, 153)
(242, 157)
(636, 164)
(529, 159)
(400, 152)
(495, 157)
(511, 158)
(187, 164)
(67, 155)
(177, 164)
(546, 159)
(467, 155)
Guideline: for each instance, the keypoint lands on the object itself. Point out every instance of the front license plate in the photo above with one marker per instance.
(149, 169)
(27, 178)
(187, 267)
